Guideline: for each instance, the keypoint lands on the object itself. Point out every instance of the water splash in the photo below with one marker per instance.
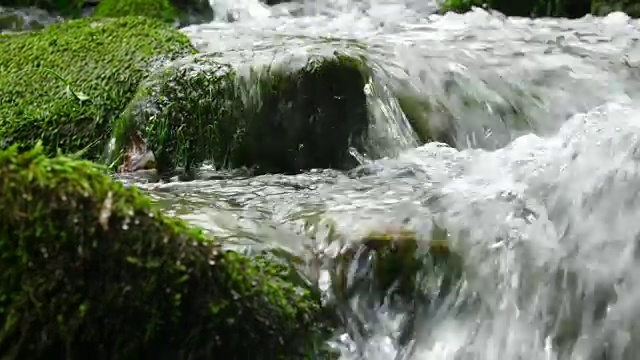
(537, 193)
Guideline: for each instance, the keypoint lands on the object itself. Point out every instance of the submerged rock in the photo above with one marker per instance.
(289, 116)
(90, 269)
(63, 84)
(397, 271)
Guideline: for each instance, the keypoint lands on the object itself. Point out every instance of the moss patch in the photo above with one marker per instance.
(104, 60)
(271, 118)
(159, 9)
(184, 12)
(90, 270)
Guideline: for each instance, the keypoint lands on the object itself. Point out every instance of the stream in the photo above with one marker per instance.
(540, 195)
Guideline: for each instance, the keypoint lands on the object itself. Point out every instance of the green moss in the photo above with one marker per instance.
(604, 7)
(525, 8)
(426, 118)
(72, 8)
(159, 9)
(398, 270)
(274, 119)
(105, 60)
(90, 270)
(184, 12)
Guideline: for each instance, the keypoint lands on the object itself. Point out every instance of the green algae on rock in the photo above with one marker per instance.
(102, 59)
(91, 269)
(159, 9)
(399, 271)
(273, 118)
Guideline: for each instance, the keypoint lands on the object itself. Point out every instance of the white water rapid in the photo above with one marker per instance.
(546, 216)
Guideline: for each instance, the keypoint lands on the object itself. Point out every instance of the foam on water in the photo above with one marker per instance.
(545, 216)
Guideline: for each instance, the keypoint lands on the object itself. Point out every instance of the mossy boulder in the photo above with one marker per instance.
(524, 8)
(90, 269)
(399, 270)
(604, 7)
(159, 9)
(284, 117)
(68, 8)
(481, 111)
(62, 85)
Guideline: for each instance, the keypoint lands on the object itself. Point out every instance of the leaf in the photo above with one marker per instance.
(77, 94)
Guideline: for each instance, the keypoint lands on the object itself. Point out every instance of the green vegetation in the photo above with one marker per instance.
(184, 12)
(159, 9)
(274, 119)
(91, 270)
(70, 8)
(525, 8)
(101, 60)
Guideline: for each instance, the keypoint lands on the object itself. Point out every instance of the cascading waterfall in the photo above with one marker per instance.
(538, 195)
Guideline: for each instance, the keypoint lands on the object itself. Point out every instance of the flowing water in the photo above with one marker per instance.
(540, 195)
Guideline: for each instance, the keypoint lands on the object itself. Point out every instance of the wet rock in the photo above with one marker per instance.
(297, 113)
(275, 2)
(467, 112)
(396, 270)
(14, 20)
(90, 269)
(63, 84)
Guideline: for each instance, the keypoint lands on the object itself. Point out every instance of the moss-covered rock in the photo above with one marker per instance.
(525, 8)
(159, 9)
(398, 270)
(460, 108)
(431, 122)
(70, 8)
(63, 84)
(89, 269)
(604, 7)
(274, 118)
